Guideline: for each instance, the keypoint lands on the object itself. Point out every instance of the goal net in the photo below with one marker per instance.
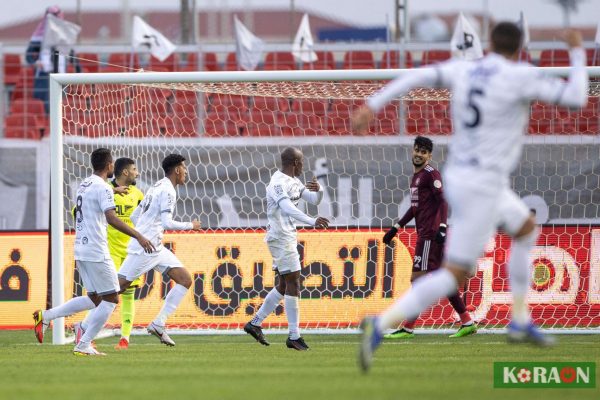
(232, 127)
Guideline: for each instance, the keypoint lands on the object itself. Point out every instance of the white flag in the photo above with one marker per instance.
(59, 32)
(597, 40)
(302, 49)
(143, 35)
(465, 43)
(249, 48)
(522, 24)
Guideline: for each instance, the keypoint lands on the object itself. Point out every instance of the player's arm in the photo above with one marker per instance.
(437, 190)
(553, 90)
(393, 231)
(135, 214)
(107, 203)
(166, 215)
(289, 209)
(313, 192)
(115, 222)
(422, 77)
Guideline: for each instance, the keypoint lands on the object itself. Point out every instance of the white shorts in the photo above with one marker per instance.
(135, 265)
(285, 256)
(478, 209)
(98, 277)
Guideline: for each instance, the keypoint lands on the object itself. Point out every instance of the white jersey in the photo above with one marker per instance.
(159, 199)
(490, 104)
(93, 198)
(281, 226)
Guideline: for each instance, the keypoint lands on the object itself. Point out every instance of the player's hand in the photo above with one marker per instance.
(390, 235)
(440, 237)
(322, 223)
(313, 185)
(360, 120)
(572, 38)
(196, 225)
(146, 244)
(122, 190)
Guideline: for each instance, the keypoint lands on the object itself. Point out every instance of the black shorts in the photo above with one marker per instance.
(428, 255)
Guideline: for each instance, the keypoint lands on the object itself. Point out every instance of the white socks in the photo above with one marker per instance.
(171, 302)
(73, 306)
(268, 306)
(97, 319)
(424, 293)
(520, 276)
(292, 313)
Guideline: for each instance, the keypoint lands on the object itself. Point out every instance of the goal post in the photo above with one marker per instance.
(231, 126)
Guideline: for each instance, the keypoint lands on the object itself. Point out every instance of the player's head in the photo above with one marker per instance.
(506, 39)
(292, 160)
(126, 168)
(102, 161)
(422, 149)
(174, 167)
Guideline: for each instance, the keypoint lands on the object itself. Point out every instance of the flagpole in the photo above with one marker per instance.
(387, 40)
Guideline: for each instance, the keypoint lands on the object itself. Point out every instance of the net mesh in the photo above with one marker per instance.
(232, 135)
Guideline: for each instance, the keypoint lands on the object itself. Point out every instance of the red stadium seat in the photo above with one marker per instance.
(358, 60)
(435, 56)
(231, 62)
(325, 60)
(192, 62)
(391, 60)
(279, 61)
(554, 58)
(89, 62)
(12, 68)
(122, 62)
(22, 126)
(590, 53)
(170, 64)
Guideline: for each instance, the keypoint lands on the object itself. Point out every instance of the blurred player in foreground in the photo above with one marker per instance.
(430, 211)
(283, 194)
(490, 108)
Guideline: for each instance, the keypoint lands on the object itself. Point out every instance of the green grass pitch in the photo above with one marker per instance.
(236, 367)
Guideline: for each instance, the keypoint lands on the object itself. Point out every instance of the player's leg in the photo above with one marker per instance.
(407, 329)
(167, 262)
(272, 300)
(105, 281)
(518, 222)
(292, 312)
(127, 307)
(475, 213)
(42, 319)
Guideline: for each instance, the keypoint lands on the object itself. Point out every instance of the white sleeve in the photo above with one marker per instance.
(106, 199)
(421, 77)
(278, 192)
(135, 214)
(312, 197)
(166, 219)
(553, 90)
(291, 210)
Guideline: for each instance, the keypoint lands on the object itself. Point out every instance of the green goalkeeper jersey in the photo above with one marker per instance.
(125, 205)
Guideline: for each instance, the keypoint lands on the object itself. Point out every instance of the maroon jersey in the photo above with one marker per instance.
(427, 204)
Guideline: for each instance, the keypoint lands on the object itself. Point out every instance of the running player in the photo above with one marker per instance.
(490, 109)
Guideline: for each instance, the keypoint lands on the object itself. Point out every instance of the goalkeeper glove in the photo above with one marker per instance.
(391, 234)
(441, 234)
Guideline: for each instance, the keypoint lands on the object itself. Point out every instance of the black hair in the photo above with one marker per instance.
(101, 158)
(423, 142)
(121, 164)
(171, 161)
(289, 155)
(506, 38)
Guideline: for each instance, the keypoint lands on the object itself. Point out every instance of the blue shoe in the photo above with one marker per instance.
(529, 334)
(370, 340)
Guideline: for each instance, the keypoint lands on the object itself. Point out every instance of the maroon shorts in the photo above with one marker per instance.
(428, 255)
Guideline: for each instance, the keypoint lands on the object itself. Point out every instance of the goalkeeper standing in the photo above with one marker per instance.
(430, 211)
(126, 201)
